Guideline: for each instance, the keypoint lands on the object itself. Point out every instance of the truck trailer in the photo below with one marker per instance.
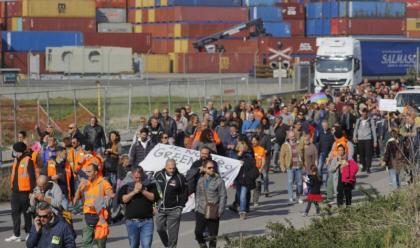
(346, 61)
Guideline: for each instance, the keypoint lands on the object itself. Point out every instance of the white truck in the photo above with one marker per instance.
(345, 61)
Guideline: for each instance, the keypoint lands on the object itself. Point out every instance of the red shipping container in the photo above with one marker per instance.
(139, 42)
(20, 60)
(111, 4)
(360, 26)
(297, 27)
(57, 24)
(132, 15)
(207, 14)
(413, 34)
(292, 11)
(164, 46)
(238, 45)
(214, 63)
(413, 10)
(2, 9)
(14, 9)
(177, 30)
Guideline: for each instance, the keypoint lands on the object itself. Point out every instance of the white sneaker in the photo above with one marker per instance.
(300, 201)
(13, 239)
(26, 238)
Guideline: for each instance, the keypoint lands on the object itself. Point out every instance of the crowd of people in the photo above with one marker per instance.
(317, 145)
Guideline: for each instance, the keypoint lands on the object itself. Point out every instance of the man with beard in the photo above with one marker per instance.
(196, 170)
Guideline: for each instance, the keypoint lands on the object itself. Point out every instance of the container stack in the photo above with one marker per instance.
(413, 19)
(111, 16)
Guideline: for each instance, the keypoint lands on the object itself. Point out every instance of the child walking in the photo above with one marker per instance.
(314, 195)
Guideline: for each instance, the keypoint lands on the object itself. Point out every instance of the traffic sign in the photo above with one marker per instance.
(280, 53)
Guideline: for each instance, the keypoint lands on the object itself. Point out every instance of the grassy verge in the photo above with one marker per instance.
(391, 221)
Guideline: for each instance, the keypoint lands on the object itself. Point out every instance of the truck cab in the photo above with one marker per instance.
(338, 62)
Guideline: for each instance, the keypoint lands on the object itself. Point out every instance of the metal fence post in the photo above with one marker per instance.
(37, 111)
(148, 97)
(14, 115)
(199, 97)
(129, 106)
(48, 107)
(188, 91)
(205, 93)
(75, 107)
(105, 109)
(236, 91)
(221, 92)
(169, 97)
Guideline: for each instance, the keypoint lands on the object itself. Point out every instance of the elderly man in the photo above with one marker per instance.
(49, 230)
(49, 192)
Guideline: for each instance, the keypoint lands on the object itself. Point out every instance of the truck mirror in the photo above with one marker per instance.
(356, 64)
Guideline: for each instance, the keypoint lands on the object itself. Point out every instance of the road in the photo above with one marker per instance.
(271, 209)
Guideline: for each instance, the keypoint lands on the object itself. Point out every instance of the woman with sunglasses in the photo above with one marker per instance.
(164, 139)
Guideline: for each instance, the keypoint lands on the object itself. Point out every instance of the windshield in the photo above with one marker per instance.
(412, 99)
(333, 66)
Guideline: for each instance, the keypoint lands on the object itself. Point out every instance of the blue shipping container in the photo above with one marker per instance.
(314, 10)
(251, 3)
(277, 29)
(318, 27)
(269, 14)
(384, 58)
(221, 3)
(375, 9)
(39, 41)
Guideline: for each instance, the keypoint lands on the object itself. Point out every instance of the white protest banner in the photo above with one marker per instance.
(387, 105)
(157, 157)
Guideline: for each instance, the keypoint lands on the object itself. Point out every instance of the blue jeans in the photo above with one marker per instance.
(394, 177)
(140, 232)
(294, 176)
(241, 192)
(321, 162)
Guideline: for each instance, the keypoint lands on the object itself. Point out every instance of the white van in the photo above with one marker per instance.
(410, 96)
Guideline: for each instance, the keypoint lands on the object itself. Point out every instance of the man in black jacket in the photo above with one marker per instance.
(280, 131)
(169, 125)
(197, 169)
(94, 135)
(173, 195)
(324, 140)
(265, 142)
(140, 149)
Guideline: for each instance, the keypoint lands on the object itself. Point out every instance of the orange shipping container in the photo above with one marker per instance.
(178, 30)
(207, 14)
(137, 15)
(363, 26)
(111, 4)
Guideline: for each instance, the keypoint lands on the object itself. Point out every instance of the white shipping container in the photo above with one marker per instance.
(115, 28)
(111, 15)
(89, 60)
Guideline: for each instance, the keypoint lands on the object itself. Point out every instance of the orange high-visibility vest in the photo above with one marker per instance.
(24, 182)
(92, 160)
(69, 173)
(74, 156)
(259, 153)
(51, 168)
(35, 161)
(95, 191)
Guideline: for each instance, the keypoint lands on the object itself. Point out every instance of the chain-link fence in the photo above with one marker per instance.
(120, 107)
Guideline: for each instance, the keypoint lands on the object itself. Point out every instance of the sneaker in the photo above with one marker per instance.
(242, 216)
(256, 205)
(13, 239)
(291, 202)
(300, 201)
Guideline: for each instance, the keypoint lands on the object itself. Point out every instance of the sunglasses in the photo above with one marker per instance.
(44, 216)
(165, 137)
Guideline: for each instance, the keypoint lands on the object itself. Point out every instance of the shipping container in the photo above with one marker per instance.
(299, 45)
(111, 4)
(375, 9)
(317, 27)
(89, 60)
(137, 15)
(413, 34)
(58, 8)
(156, 63)
(134, 3)
(213, 63)
(251, 3)
(111, 15)
(51, 24)
(139, 42)
(14, 9)
(201, 14)
(115, 28)
(277, 29)
(267, 14)
(163, 45)
(292, 11)
(413, 24)
(363, 26)
(187, 30)
(20, 60)
(39, 41)
(222, 3)
(297, 27)
(413, 10)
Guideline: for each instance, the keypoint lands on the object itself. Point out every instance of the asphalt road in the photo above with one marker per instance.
(271, 209)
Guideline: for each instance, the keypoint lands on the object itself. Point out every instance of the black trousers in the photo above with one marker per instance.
(212, 226)
(308, 207)
(365, 153)
(344, 190)
(20, 203)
